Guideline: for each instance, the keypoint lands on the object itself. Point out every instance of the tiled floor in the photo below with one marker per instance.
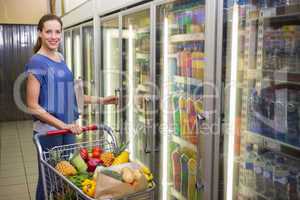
(18, 163)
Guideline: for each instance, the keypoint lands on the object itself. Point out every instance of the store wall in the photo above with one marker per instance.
(22, 11)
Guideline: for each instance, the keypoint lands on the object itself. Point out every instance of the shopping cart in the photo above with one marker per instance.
(58, 187)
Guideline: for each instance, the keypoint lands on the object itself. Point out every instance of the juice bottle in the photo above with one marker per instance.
(189, 62)
(281, 179)
(248, 175)
(176, 156)
(183, 117)
(192, 193)
(194, 62)
(176, 115)
(268, 175)
(184, 61)
(258, 169)
(192, 119)
(184, 174)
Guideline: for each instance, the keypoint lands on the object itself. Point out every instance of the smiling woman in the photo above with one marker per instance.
(50, 90)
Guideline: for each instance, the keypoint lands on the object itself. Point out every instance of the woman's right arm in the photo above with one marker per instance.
(32, 96)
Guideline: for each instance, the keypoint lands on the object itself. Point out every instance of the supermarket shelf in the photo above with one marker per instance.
(184, 143)
(187, 37)
(143, 30)
(274, 140)
(187, 80)
(176, 194)
(246, 188)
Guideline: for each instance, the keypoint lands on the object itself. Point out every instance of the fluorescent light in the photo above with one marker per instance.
(131, 79)
(165, 100)
(232, 101)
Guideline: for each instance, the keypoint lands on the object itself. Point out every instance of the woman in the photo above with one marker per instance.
(50, 91)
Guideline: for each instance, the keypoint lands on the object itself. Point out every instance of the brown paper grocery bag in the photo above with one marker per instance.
(110, 188)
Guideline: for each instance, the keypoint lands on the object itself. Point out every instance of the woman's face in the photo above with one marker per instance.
(51, 35)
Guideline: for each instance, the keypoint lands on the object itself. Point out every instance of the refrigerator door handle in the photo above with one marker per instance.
(200, 121)
(117, 94)
(147, 100)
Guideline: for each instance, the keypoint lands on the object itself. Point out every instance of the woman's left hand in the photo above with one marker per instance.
(110, 100)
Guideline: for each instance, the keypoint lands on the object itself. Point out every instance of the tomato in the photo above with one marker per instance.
(84, 153)
(96, 152)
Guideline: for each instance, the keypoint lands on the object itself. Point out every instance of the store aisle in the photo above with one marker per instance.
(18, 163)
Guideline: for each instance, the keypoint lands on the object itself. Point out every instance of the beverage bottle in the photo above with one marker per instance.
(292, 181)
(281, 179)
(176, 155)
(176, 115)
(179, 60)
(192, 119)
(293, 118)
(192, 178)
(268, 174)
(189, 21)
(258, 169)
(184, 174)
(249, 175)
(183, 117)
(181, 23)
(184, 63)
(189, 62)
(194, 62)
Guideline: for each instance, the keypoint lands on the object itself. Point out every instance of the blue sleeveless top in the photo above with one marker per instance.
(57, 94)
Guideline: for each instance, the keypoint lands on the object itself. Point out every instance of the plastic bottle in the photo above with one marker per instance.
(184, 174)
(176, 169)
(176, 115)
(293, 119)
(194, 61)
(192, 166)
(292, 182)
(281, 179)
(258, 169)
(183, 117)
(192, 119)
(184, 63)
(249, 175)
(268, 175)
(189, 62)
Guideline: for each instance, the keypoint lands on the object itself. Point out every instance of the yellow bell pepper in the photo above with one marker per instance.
(88, 187)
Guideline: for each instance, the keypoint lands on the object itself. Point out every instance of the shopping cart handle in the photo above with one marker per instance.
(67, 131)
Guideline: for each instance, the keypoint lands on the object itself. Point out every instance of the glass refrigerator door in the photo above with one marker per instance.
(262, 110)
(111, 70)
(88, 72)
(136, 65)
(76, 44)
(68, 49)
(180, 53)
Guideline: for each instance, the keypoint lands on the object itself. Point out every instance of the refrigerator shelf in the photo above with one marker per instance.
(142, 55)
(184, 143)
(187, 37)
(188, 80)
(274, 140)
(176, 194)
(281, 11)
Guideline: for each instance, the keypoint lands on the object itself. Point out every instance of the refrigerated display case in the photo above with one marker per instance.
(88, 71)
(262, 108)
(111, 69)
(137, 84)
(182, 60)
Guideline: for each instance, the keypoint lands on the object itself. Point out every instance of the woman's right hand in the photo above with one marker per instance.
(74, 128)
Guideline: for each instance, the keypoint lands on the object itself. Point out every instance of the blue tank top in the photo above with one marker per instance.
(57, 95)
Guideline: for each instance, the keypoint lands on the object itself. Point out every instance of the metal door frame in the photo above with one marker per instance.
(212, 74)
(143, 7)
(115, 16)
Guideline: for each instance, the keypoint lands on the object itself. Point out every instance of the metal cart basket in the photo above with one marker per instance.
(58, 187)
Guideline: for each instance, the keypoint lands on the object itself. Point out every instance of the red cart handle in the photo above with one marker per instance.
(67, 131)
